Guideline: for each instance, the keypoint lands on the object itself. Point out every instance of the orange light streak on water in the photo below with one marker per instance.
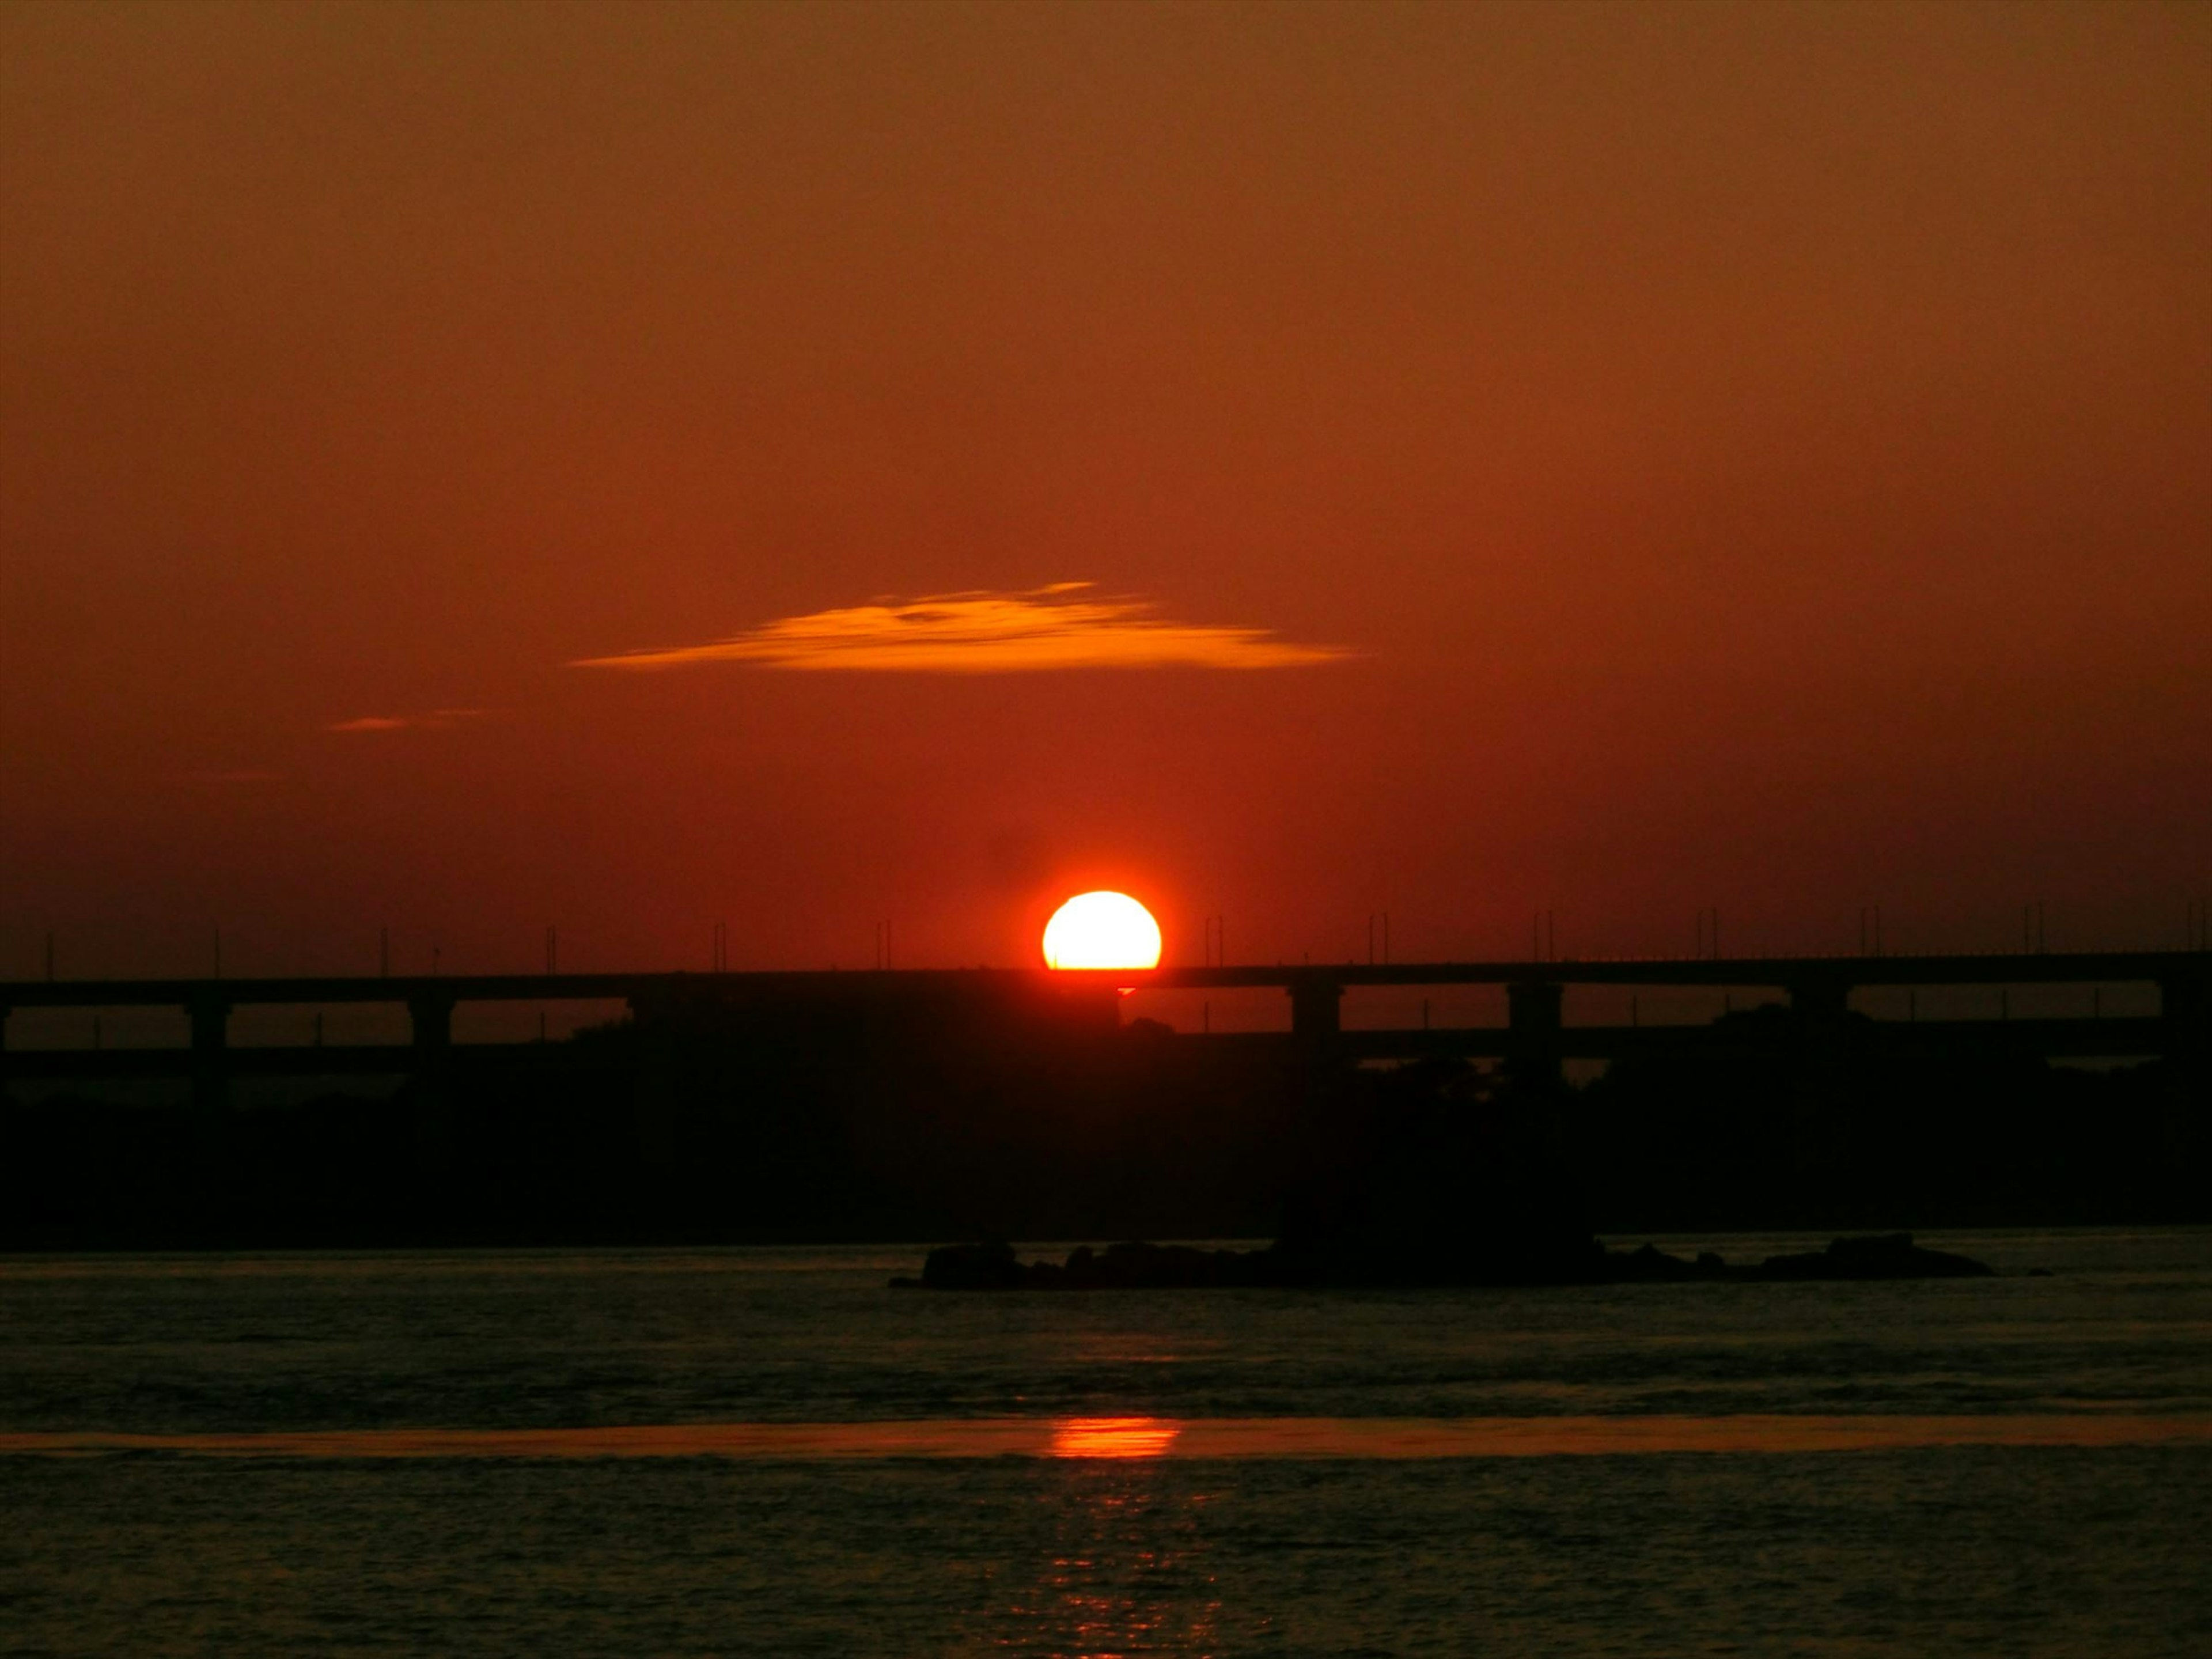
(1114, 1437)
(1149, 1438)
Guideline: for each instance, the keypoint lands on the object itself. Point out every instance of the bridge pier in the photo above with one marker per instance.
(1821, 1002)
(1820, 1015)
(2185, 1009)
(431, 1020)
(1533, 1023)
(670, 1026)
(1820, 1010)
(1316, 1010)
(210, 1072)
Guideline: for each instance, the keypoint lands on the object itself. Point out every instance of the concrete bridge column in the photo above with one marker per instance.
(1533, 1021)
(665, 1025)
(1315, 1010)
(1820, 1009)
(1819, 1014)
(2184, 1007)
(431, 1019)
(1821, 1002)
(210, 1072)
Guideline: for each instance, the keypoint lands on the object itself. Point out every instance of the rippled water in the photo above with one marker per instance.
(770, 1451)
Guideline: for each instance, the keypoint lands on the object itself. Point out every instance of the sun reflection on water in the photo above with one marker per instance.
(1123, 1567)
(1114, 1437)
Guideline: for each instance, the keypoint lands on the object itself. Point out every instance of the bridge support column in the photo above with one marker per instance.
(210, 1070)
(431, 1020)
(2184, 1007)
(1819, 1118)
(1315, 1010)
(1820, 1008)
(667, 1030)
(1532, 1020)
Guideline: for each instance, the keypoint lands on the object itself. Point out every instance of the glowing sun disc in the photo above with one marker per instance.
(1101, 930)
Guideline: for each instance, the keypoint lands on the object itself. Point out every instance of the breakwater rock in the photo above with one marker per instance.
(1141, 1267)
(1130, 1266)
(1888, 1255)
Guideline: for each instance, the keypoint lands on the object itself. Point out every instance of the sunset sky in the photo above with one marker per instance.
(465, 468)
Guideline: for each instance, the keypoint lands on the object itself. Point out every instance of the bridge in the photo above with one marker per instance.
(1535, 1036)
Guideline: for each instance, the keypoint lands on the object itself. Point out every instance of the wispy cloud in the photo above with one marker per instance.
(984, 633)
(438, 719)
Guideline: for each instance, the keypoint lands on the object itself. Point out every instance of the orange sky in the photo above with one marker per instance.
(1612, 458)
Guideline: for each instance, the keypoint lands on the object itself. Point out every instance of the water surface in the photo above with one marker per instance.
(770, 1451)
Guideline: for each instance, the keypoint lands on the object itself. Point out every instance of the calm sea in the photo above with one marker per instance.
(761, 1451)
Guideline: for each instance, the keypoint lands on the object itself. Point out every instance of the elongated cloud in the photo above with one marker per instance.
(438, 719)
(986, 633)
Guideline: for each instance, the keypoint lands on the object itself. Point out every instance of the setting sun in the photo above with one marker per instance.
(1101, 930)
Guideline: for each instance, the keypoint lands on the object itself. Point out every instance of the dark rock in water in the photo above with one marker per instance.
(1172, 1267)
(1486, 1258)
(1886, 1255)
(1141, 1266)
(1649, 1262)
(971, 1267)
(1127, 1266)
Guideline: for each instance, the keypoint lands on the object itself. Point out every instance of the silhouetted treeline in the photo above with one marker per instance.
(826, 1124)
(1762, 1135)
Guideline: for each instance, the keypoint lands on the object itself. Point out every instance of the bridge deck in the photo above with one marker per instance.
(2083, 967)
(2083, 1039)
